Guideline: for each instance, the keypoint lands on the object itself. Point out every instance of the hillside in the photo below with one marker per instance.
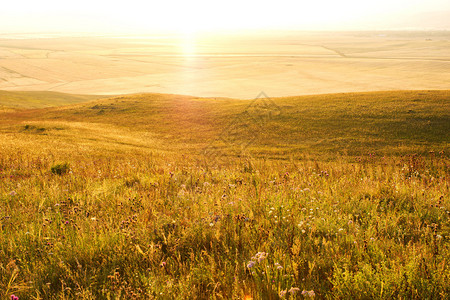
(355, 123)
(25, 100)
(152, 196)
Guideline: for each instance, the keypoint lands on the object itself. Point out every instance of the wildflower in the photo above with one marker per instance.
(283, 293)
(14, 297)
(13, 193)
(438, 236)
(279, 267)
(250, 264)
(294, 290)
(309, 294)
(260, 256)
(163, 264)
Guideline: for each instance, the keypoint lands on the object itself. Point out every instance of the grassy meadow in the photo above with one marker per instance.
(336, 196)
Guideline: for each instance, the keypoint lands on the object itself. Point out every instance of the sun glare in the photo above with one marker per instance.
(188, 43)
(201, 15)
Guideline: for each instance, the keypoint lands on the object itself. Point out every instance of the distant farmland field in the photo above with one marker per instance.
(284, 64)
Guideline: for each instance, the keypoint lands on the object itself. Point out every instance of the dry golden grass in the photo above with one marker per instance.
(340, 195)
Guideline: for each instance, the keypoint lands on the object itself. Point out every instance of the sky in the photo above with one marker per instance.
(209, 15)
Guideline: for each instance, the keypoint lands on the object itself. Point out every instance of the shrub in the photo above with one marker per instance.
(60, 169)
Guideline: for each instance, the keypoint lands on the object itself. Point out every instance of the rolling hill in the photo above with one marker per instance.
(353, 123)
(23, 100)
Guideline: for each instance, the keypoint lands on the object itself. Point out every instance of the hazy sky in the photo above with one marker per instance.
(200, 15)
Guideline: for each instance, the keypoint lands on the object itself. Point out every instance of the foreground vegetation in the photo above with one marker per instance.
(124, 203)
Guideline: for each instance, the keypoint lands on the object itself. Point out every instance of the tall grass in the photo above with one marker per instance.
(157, 227)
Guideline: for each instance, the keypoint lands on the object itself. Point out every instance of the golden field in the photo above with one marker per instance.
(162, 196)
